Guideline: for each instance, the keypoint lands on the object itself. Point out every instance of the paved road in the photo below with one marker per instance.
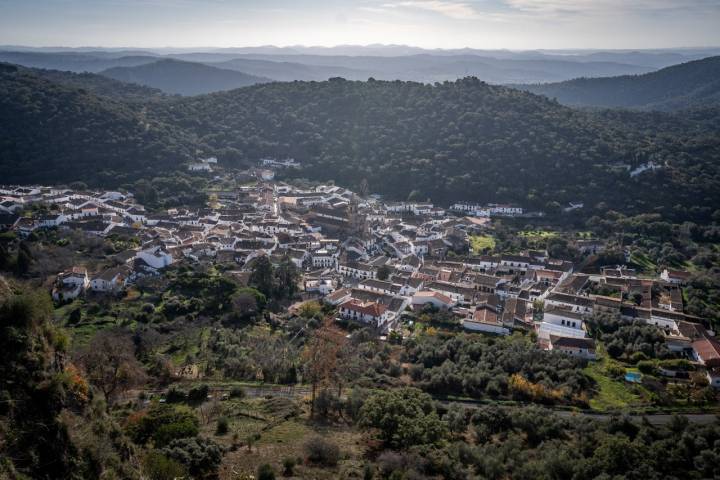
(298, 391)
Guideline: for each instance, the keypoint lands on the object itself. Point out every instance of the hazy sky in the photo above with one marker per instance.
(513, 24)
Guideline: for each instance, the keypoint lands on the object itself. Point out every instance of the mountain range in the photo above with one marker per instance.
(463, 140)
(383, 62)
(183, 78)
(688, 85)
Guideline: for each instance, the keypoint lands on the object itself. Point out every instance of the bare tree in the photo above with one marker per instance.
(110, 364)
(321, 357)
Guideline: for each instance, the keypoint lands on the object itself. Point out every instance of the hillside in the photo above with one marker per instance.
(463, 140)
(55, 133)
(184, 78)
(494, 66)
(99, 85)
(74, 61)
(687, 85)
(437, 68)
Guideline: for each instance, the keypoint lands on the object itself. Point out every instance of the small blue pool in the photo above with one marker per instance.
(633, 377)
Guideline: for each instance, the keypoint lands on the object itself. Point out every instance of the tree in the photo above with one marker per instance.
(286, 278)
(248, 304)
(201, 456)
(402, 418)
(163, 423)
(321, 451)
(261, 275)
(159, 467)
(383, 272)
(321, 358)
(24, 259)
(265, 472)
(110, 363)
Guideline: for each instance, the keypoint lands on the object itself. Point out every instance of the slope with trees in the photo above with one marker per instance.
(463, 140)
(53, 133)
(184, 78)
(691, 84)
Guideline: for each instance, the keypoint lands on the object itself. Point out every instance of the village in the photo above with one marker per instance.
(373, 262)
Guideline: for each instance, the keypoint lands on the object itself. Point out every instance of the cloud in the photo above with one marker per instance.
(455, 10)
(610, 6)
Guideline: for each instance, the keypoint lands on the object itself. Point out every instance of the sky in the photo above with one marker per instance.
(484, 24)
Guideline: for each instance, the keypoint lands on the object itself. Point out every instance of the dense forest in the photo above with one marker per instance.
(53, 133)
(463, 140)
(692, 84)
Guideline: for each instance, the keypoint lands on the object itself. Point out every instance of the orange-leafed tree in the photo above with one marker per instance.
(321, 357)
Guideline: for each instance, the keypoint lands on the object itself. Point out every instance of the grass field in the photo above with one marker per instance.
(478, 243)
(281, 434)
(643, 262)
(537, 234)
(611, 394)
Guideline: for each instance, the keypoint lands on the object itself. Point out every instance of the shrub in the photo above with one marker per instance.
(237, 392)
(163, 423)
(289, 467)
(201, 456)
(265, 472)
(223, 425)
(614, 370)
(638, 357)
(321, 451)
(647, 367)
(175, 395)
(159, 467)
(198, 395)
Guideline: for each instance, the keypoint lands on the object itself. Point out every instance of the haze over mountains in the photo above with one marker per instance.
(184, 78)
(381, 62)
(692, 84)
(448, 138)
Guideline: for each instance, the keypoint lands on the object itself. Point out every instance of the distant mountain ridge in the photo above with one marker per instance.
(358, 63)
(183, 78)
(688, 85)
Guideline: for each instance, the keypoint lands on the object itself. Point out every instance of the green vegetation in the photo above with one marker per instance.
(95, 131)
(613, 393)
(405, 137)
(692, 84)
(481, 243)
(184, 78)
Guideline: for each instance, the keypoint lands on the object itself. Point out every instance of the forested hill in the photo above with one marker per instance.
(55, 133)
(184, 78)
(463, 140)
(97, 84)
(691, 84)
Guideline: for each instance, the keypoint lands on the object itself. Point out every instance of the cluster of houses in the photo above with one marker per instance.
(374, 261)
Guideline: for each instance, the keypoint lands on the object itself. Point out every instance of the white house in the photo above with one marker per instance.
(52, 220)
(323, 259)
(485, 320)
(111, 280)
(563, 317)
(71, 284)
(157, 257)
(545, 330)
(576, 347)
(372, 313)
(199, 167)
(436, 299)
